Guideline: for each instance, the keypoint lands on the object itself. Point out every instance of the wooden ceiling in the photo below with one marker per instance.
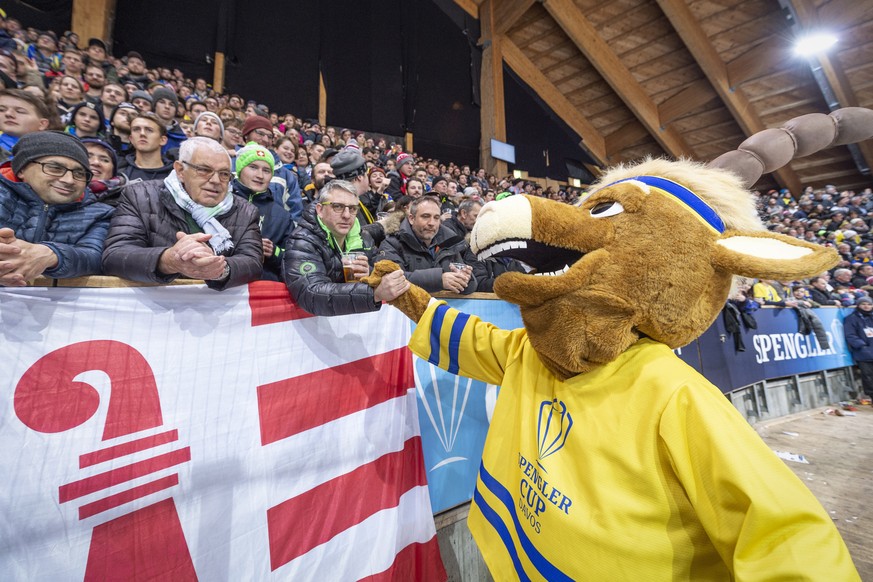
(689, 78)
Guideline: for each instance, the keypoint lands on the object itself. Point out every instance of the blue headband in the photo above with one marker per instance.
(684, 195)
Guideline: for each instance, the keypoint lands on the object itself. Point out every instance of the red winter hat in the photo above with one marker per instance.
(403, 159)
(256, 122)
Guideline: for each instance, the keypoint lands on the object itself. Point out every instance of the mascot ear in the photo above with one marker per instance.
(766, 255)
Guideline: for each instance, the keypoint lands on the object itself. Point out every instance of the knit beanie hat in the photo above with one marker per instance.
(256, 122)
(141, 95)
(164, 93)
(41, 144)
(253, 152)
(105, 146)
(212, 115)
(348, 164)
(403, 159)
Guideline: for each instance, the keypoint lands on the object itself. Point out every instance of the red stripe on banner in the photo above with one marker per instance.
(108, 503)
(270, 302)
(301, 523)
(291, 406)
(142, 546)
(94, 483)
(109, 453)
(419, 562)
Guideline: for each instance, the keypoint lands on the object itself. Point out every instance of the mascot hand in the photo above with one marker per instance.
(412, 303)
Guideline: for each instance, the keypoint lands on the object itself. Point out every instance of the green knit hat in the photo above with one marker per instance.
(252, 152)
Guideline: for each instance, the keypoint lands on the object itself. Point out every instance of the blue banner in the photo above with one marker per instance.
(455, 412)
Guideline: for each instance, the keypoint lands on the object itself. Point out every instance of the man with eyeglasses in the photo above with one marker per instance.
(258, 129)
(313, 265)
(188, 225)
(49, 225)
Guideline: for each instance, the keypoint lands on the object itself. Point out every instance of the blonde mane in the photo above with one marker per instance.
(720, 189)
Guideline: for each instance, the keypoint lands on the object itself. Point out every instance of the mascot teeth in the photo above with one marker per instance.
(554, 273)
(499, 247)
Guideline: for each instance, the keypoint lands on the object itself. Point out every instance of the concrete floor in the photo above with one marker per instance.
(840, 470)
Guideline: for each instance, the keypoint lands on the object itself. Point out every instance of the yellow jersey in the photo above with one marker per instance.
(637, 470)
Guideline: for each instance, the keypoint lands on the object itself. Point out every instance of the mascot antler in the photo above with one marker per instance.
(771, 149)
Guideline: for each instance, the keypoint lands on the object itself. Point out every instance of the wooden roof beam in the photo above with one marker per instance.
(588, 40)
(765, 58)
(692, 34)
(625, 136)
(507, 13)
(688, 99)
(839, 14)
(592, 141)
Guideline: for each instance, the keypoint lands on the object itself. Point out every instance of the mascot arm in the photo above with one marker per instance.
(465, 345)
(761, 518)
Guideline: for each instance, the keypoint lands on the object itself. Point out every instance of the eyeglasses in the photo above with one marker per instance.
(263, 133)
(338, 208)
(57, 171)
(207, 173)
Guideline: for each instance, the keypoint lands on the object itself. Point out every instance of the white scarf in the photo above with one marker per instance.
(205, 217)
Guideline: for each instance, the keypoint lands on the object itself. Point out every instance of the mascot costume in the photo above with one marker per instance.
(608, 458)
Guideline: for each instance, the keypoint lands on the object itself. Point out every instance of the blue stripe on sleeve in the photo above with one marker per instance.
(501, 530)
(436, 326)
(546, 568)
(455, 341)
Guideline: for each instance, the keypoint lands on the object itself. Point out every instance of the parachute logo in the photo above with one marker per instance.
(553, 427)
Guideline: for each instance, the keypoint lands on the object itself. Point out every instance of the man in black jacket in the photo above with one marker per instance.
(188, 225)
(313, 266)
(428, 252)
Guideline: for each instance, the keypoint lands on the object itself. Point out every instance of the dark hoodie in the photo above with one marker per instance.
(127, 166)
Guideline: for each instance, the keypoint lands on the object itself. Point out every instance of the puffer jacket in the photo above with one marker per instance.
(145, 224)
(425, 266)
(314, 272)
(275, 223)
(75, 231)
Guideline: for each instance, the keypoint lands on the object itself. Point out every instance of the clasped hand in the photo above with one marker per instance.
(192, 257)
(21, 261)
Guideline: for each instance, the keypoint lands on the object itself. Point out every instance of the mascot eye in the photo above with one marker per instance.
(605, 209)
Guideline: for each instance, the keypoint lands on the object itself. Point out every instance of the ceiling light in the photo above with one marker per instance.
(814, 44)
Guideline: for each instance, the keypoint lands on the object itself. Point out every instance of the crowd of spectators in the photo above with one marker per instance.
(270, 177)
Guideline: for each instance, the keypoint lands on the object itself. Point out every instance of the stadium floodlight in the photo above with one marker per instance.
(815, 43)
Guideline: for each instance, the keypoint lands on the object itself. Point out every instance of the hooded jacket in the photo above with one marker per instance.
(127, 166)
(313, 269)
(275, 223)
(74, 231)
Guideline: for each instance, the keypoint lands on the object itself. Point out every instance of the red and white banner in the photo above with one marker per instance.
(178, 433)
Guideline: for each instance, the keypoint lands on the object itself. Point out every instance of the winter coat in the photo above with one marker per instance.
(313, 270)
(291, 197)
(425, 266)
(856, 328)
(127, 166)
(74, 231)
(275, 224)
(145, 225)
